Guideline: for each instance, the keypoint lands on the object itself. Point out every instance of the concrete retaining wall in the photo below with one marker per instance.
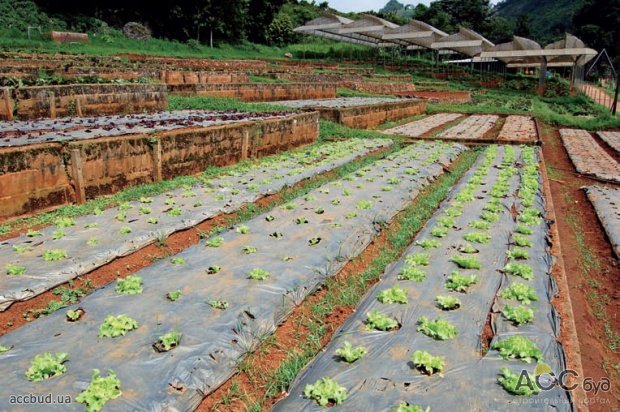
(37, 177)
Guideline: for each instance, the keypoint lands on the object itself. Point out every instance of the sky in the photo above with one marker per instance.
(365, 5)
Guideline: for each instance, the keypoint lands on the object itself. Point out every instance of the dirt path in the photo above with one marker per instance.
(591, 271)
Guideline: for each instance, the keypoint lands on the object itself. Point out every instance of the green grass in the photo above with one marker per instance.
(343, 92)
(222, 105)
(262, 79)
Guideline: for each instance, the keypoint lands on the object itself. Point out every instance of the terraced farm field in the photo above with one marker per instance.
(360, 253)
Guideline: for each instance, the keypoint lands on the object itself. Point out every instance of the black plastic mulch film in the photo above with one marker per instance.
(342, 219)
(386, 377)
(606, 202)
(94, 240)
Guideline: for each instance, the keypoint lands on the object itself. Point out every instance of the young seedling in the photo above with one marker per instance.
(439, 329)
(174, 295)
(47, 366)
(242, 229)
(174, 212)
(5, 348)
(326, 391)
(33, 233)
(418, 259)
(459, 283)
(145, 210)
(54, 255)
(121, 216)
(269, 218)
(453, 212)
(427, 363)
(448, 302)
(489, 217)
(364, 205)
(115, 326)
(428, 243)
(125, 230)
(518, 347)
(519, 269)
(386, 189)
(167, 342)
(212, 270)
(15, 270)
(517, 254)
(467, 248)
(100, 391)
(479, 224)
(314, 241)
(258, 274)
(289, 206)
(64, 222)
(319, 210)
(335, 202)
(131, 285)
(215, 242)
(524, 230)
(145, 200)
(218, 304)
(349, 354)
(309, 198)
(152, 220)
(177, 261)
(380, 321)
(20, 249)
(521, 292)
(510, 382)
(439, 231)
(393, 295)
(466, 262)
(93, 241)
(412, 272)
(350, 215)
(248, 250)
(407, 407)
(477, 237)
(58, 234)
(518, 314)
(301, 220)
(446, 221)
(74, 315)
(521, 241)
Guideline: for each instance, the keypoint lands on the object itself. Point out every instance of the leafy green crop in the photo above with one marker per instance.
(64, 222)
(479, 224)
(74, 315)
(121, 216)
(518, 347)
(248, 250)
(15, 270)
(54, 255)
(145, 210)
(314, 241)
(428, 243)
(393, 295)
(446, 221)
(489, 216)
(364, 204)
(439, 231)
(466, 262)
(350, 354)
(33, 233)
(131, 285)
(167, 341)
(520, 269)
(448, 302)
(521, 292)
(518, 314)
(510, 379)
(115, 326)
(152, 220)
(380, 321)
(99, 391)
(218, 304)
(174, 295)
(468, 248)
(301, 220)
(326, 390)
(410, 272)
(243, 229)
(58, 234)
(177, 261)
(125, 230)
(47, 366)
(258, 274)
(517, 254)
(406, 407)
(20, 249)
(477, 237)
(215, 242)
(439, 329)
(521, 241)
(212, 270)
(524, 230)
(418, 259)
(426, 362)
(5, 348)
(453, 212)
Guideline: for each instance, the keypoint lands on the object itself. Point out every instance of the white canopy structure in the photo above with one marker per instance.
(466, 42)
(416, 34)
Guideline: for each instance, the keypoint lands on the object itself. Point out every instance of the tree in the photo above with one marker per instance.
(522, 26)
(280, 31)
(260, 15)
(597, 23)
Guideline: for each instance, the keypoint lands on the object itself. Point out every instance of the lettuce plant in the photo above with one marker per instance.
(477, 237)
(521, 241)
(167, 341)
(519, 269)
(393, 295)
(479, 224)
(521, 292)
(174, 295)
(428, 243)
(517, 254)
(218, 304)
(518, 347)
(439, 329)
(406, 407)
(177, 261)
(380, 321)
(215, 242)
(131, 285)
(47, 366)
(427, 363)
(466, 262)
(99, 391)
(15, 270)
(509, 381)
(115, 326)
(258, 274)
(326, 390)
(518, 314)
(350, 354)
(448, 302)
(54, 255)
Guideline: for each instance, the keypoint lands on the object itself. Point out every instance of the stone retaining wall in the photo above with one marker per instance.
(258, 92)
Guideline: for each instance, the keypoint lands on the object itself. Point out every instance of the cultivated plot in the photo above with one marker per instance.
(424, 126)
(588, 157)
(612, 139)
(473, 129)
(338, 102)
(40, 260)
(518, 129)
(20, 133)
(175, 331)
(606, 202)
(457, 321)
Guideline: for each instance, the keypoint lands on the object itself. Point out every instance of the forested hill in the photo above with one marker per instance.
(546, 18)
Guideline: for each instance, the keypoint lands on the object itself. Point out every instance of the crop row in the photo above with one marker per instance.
(39, 260)
(425, 125)
(454, 323)
(472, 128)
(174, 331)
